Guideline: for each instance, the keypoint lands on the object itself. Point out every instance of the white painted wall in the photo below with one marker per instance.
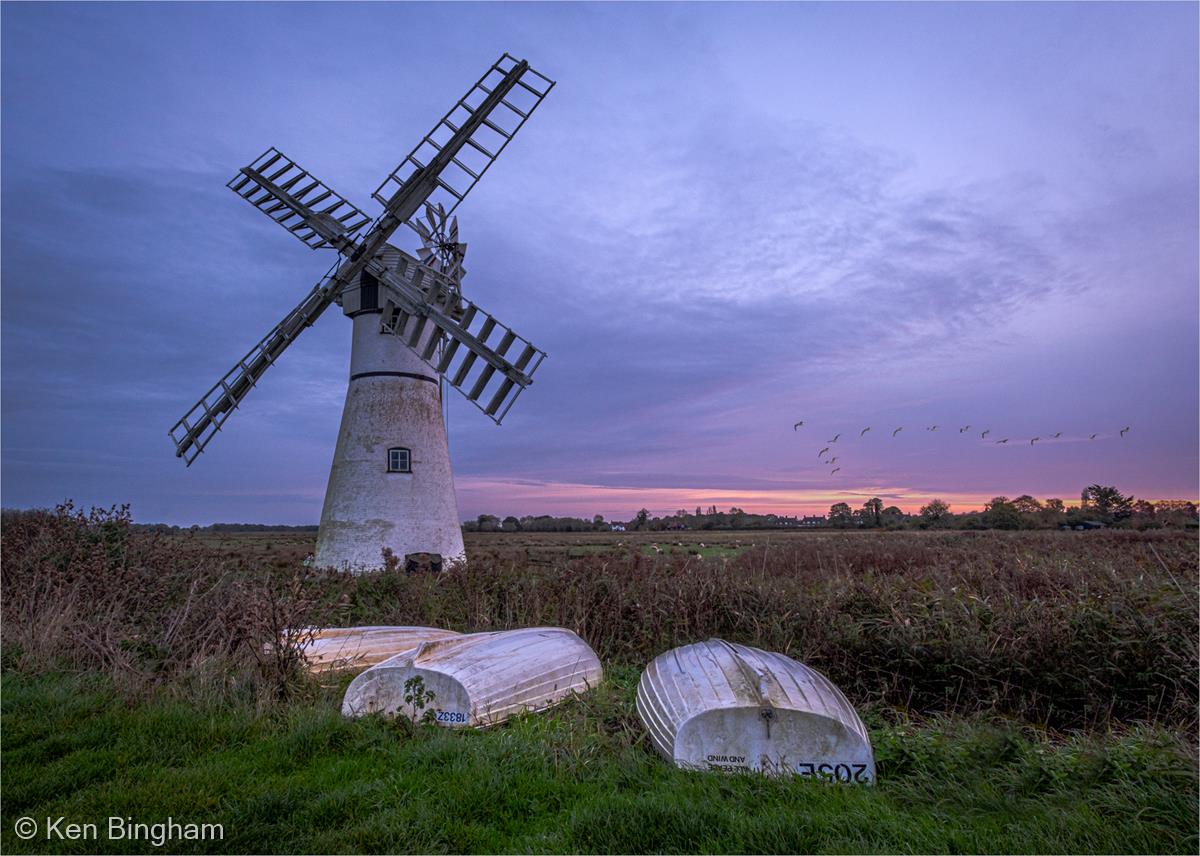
(366, 507)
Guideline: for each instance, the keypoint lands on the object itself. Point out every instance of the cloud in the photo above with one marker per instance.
(755, 269)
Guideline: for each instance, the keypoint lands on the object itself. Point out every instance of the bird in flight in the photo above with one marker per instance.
(1034, 440)
(823, 451)
(964, 429)
(1093, 437)
(898, 430)
(1005, 440)
(834, 470)
(931, 428)
(797, 425)
(834, 440)
(1124, 430)
(1056, 436)
(983, 436)
(832, 460)
(863, 431)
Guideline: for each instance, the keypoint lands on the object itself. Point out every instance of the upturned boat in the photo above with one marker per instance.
(477, 679)
(720, 706)
(346, 648)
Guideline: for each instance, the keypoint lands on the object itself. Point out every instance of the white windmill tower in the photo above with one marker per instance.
(390, 485)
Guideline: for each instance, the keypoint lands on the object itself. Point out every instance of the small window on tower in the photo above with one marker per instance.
(399, 461)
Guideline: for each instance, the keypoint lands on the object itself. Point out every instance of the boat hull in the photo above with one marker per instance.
(477, 680)
(719, 706)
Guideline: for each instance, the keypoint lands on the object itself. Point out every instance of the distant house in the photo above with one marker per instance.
(1082, 526)
(618, 527)
(817, 520)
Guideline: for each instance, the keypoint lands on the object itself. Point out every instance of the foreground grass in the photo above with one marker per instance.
(301, 778)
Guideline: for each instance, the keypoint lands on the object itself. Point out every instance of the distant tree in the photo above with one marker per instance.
(598, 523)
(1107, 501)
(488, 523)
(642, 518)
(1144, 515)
(1000, 513)
(511, 524)
(873, 512)
(892, 516)
(1026, 504)
(1181, 505)
(1053, 512)
(840, 515)
(1175, 512)
(935, 513)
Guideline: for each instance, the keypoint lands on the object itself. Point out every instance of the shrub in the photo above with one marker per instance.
(86, 592)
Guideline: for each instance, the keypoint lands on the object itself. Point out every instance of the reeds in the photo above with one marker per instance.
(1057, 629)
(84, 592)
(1063, 630)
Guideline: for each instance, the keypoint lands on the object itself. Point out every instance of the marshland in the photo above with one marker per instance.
(1024, 690)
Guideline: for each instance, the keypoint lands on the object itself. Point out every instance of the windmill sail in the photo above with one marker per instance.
(289, 195)
(509, 92)
(477, 355)
(200, 424)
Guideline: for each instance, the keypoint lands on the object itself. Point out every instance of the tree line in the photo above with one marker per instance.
(1099, 505)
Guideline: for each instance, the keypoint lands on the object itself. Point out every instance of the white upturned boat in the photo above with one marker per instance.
(344, 648)
(716, 705)
(477, 679)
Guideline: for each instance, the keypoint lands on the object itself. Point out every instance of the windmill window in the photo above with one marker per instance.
(399, 461)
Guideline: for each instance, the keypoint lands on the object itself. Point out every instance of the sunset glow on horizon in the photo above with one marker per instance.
(522, 499)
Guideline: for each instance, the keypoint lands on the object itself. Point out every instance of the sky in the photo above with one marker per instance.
(722, 220)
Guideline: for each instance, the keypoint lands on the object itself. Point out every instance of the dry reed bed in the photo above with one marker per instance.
(1062, 629)
(1066, 630)
(83, 591)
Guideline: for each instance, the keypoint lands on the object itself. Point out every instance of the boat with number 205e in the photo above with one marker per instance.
(717, 705)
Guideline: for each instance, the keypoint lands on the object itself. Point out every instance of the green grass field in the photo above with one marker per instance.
(300, 778)
(1025, 692)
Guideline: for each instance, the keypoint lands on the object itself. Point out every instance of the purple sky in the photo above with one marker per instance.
(725, 218)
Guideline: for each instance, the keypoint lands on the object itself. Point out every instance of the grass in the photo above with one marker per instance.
(694, 549)
(300, 778)
(142, 677)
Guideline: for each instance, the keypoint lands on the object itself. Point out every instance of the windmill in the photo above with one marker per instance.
(390, 484)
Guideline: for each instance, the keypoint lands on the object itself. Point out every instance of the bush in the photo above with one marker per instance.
(86, 592)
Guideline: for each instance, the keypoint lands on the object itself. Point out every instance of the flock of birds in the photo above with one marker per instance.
(963, 430)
